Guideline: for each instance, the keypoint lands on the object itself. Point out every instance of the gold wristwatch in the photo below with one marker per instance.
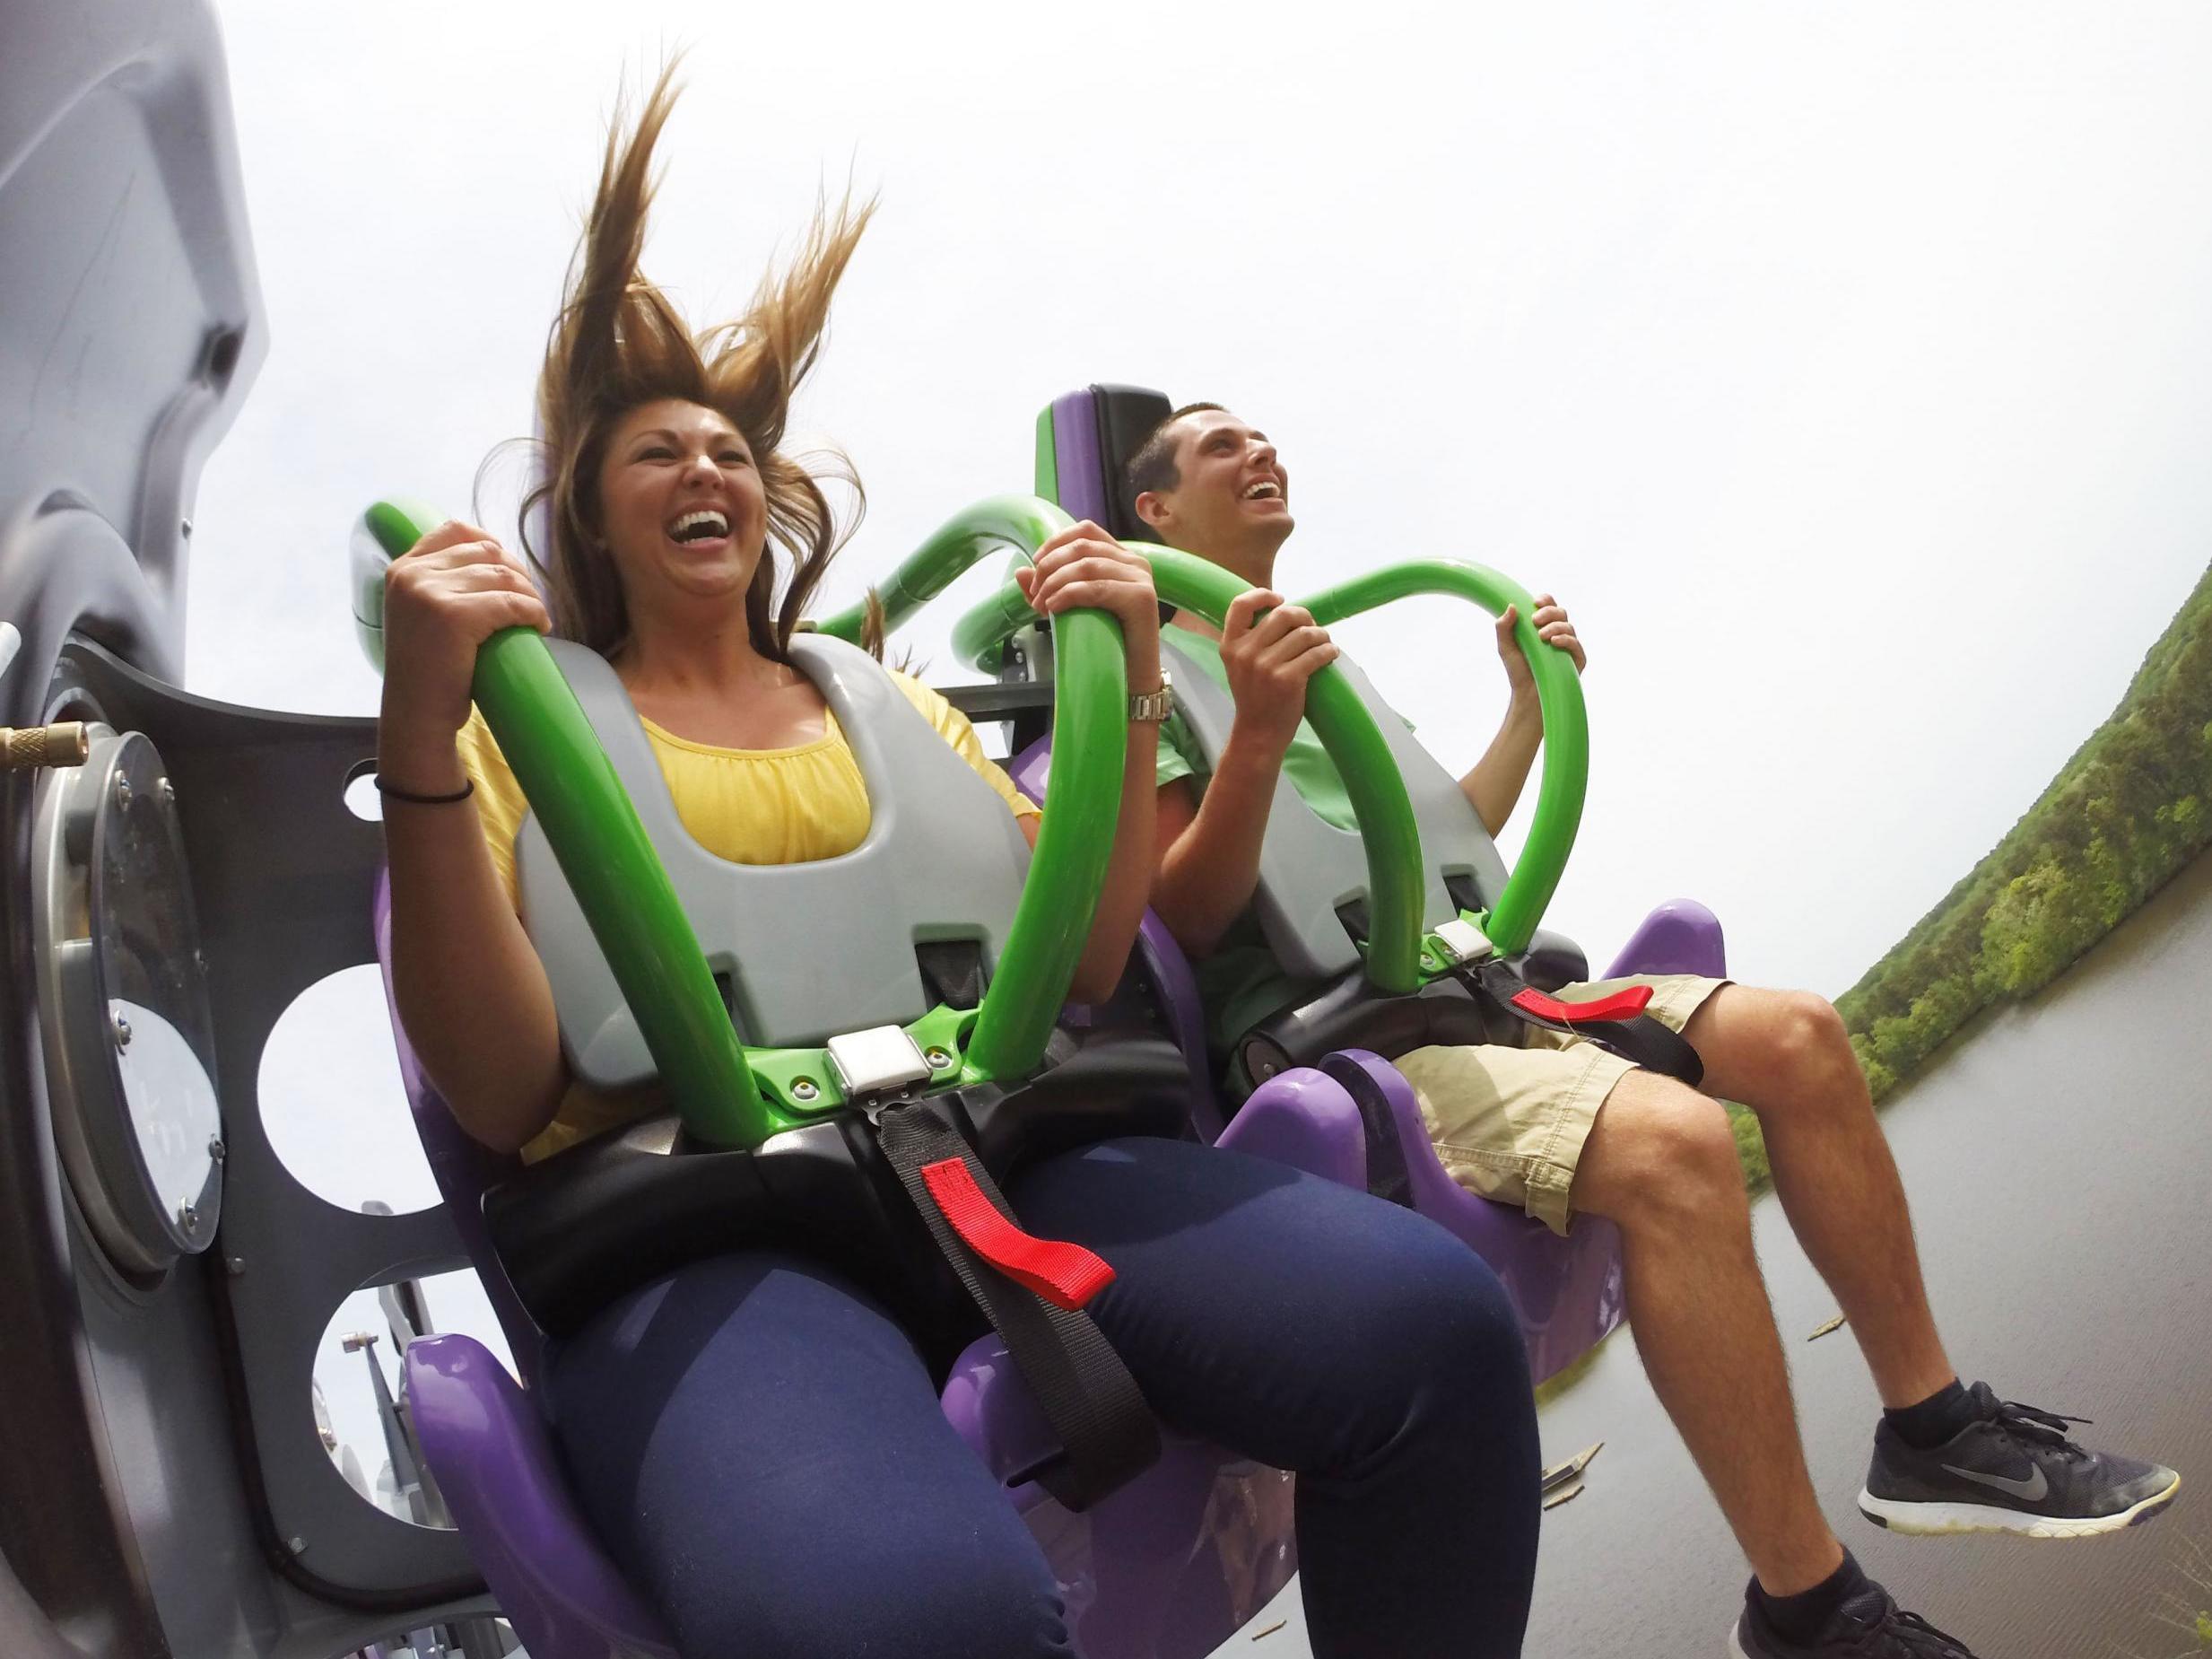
(1151, 707)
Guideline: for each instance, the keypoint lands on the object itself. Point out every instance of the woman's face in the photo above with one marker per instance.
(682, 507)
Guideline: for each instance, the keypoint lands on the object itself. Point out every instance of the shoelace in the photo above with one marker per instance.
(2033, 1423)
(1919, 1637)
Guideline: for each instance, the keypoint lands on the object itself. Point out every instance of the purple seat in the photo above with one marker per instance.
(1165, 1568)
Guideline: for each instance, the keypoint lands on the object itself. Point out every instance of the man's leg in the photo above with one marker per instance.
(1660, 1163)
(1785, 1055)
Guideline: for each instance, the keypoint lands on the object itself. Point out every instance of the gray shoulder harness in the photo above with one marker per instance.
(803, 951)
(1309, 869)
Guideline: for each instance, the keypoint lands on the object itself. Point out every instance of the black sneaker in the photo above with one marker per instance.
(1868, 1626)
(2014, 1470)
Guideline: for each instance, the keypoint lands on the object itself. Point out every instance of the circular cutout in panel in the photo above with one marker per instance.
(361, 799)
(123, 1000)
(360, 1392)
(332, 1102)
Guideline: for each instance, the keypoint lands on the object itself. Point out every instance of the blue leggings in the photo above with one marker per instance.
(762, 1449)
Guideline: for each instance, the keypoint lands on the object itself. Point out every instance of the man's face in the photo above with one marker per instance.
(1232, 493)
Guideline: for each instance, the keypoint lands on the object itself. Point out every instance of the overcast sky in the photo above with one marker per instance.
(1846, 370)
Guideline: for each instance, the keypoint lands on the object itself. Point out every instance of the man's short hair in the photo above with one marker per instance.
(1153, 466)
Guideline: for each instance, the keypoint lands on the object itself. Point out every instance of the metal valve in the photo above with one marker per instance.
(30, 748)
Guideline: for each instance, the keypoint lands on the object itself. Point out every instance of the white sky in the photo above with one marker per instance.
(1846, 369)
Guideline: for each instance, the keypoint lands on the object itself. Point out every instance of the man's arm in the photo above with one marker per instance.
(1209, 847)
(1493, 787)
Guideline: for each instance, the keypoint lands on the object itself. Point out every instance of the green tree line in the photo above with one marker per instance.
(2124, 815)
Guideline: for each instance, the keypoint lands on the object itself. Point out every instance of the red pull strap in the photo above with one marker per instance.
(1621, 1004)
(1065, 1275)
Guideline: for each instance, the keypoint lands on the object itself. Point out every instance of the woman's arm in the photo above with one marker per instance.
(1083, 566)
(471, 992)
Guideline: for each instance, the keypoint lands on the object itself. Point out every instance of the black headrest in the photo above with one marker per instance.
(1126, 415)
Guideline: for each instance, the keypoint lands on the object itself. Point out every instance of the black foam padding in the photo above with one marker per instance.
(580, 1229)
(1126, 416)
(1351, 1013)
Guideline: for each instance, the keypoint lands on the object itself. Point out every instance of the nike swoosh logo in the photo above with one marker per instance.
(2030, 1491)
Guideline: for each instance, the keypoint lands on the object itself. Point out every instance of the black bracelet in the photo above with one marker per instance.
(391, 792)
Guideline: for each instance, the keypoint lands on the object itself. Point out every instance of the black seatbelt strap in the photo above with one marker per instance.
(1107, 1433)
(1616, 1023)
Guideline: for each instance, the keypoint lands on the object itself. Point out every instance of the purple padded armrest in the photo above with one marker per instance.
(1680, 937)
(498, 1473)
(1306, 1119)
(1567, 1291)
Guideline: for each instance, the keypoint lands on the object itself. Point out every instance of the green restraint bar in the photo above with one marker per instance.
(713, 1080)
(1512, 920)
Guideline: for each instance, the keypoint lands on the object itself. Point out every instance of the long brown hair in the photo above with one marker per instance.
(618, 343)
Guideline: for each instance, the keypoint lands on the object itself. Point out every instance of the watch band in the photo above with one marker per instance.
(1151, 707)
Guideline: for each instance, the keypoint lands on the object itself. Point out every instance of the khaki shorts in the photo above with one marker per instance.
(1509, 1122)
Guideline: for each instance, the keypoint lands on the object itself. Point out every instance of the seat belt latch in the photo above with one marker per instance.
(1463, 941)
(880, 1060)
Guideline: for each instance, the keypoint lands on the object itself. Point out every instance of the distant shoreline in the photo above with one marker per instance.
(2129, 810)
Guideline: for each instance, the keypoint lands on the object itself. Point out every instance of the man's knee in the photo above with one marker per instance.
(1812, 1050)
(1661, 1155)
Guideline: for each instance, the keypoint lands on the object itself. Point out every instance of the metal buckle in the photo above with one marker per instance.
(878, 1061)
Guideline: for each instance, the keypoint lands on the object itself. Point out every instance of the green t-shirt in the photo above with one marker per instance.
(1240, 983)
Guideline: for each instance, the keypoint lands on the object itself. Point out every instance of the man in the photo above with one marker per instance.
(1565, 1127)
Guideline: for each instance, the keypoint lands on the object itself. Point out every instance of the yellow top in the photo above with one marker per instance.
(749, 806)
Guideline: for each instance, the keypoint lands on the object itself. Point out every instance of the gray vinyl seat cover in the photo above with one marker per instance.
(809, 951)
(1307, 867)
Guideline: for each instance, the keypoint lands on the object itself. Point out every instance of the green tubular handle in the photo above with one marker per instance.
(1052, 922)
(1536, 874)
(633, 911)
(1022, 522)
(614, 872)
(1340, 720)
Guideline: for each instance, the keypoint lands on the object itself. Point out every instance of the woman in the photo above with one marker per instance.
(1285, 1317)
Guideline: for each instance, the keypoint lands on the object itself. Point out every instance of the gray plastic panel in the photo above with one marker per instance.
(130, 327)
(1308, 867)
(131, 322)
(916, 877)
(283, 878)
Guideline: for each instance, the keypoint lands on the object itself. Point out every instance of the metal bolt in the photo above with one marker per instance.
(234, 1265)
(122, 793)
(937, 1058)
(188, 1216)
(216, 1150)
(803, 1088)
(166, 790)
(122, 1032)
(296, 1544)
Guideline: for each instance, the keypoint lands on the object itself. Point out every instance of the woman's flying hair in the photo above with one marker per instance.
(618, 343)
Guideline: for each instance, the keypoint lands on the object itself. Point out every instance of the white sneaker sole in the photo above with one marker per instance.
(1945, 1520)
